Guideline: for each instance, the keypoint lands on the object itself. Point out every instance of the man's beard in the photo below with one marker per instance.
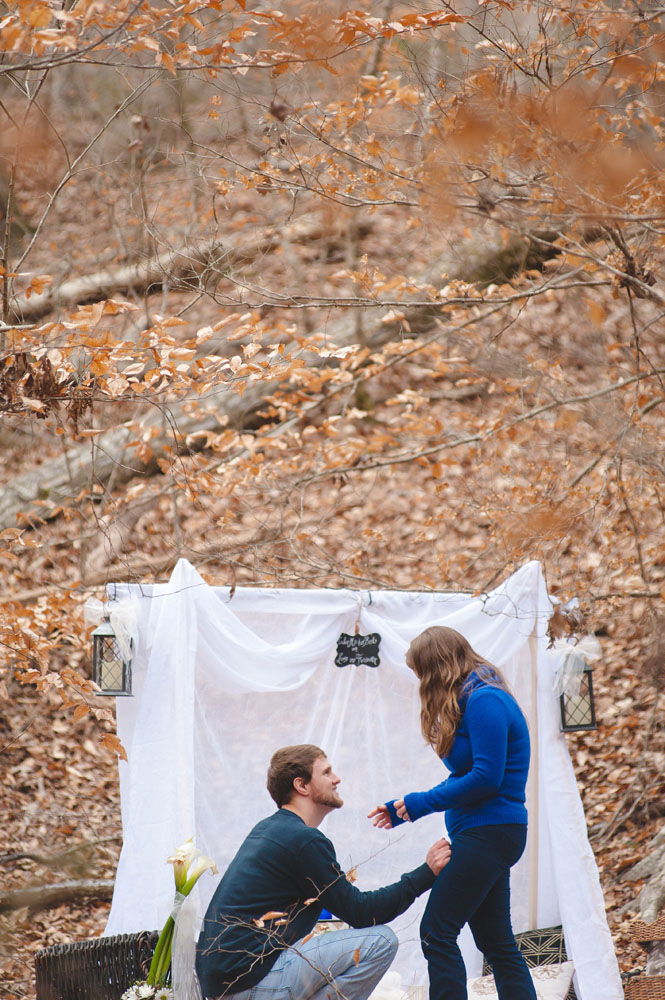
(330, 799)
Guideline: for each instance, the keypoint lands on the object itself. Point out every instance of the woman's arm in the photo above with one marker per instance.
(487, 721)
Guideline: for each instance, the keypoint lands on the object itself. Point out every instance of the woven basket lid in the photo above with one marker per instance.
(643, 933)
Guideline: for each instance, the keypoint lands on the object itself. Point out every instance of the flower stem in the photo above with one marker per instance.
(162, 956)
(165, 962)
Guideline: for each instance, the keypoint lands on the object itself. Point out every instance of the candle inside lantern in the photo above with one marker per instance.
(111, 669)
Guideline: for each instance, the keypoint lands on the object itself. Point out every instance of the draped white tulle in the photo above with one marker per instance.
(222, 678)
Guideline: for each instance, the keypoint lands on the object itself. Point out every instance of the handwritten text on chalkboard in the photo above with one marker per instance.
(358, 649)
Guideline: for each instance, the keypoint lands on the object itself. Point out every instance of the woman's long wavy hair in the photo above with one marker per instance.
(442, 660)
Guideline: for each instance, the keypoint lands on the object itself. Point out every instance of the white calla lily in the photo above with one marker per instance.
(188, 866)
(201, 865)
(185, 853)
(181, 860)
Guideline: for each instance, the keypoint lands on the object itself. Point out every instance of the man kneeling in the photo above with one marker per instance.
(255, 931)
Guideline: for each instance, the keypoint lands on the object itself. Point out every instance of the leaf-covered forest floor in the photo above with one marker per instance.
(467, 524)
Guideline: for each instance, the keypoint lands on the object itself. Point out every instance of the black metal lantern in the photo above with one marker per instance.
(578, 711)
(110, 671)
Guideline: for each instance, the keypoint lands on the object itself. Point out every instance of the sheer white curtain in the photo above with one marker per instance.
(221, 680)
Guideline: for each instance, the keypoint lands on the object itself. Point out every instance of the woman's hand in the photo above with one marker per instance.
(381, 818)
(400, 809)
(381, 815)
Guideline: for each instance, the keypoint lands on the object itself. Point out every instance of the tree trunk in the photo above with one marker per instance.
(41, 897)
(38, 493)
(41, 491)
(186, 265)
(19, 225)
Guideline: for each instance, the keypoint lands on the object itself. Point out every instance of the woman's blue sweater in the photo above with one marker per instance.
(488, 761)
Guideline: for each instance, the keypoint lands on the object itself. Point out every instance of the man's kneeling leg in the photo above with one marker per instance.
(339, 965)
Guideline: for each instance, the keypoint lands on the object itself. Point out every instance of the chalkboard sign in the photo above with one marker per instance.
(356, 650)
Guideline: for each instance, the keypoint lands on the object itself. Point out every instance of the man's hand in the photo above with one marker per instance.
(438, 855)
(381, 818)
(382, 815)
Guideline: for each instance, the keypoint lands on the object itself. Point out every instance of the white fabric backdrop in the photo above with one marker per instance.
(221, 680)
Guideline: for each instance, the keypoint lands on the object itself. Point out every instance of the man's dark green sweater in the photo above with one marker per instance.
(288, 868)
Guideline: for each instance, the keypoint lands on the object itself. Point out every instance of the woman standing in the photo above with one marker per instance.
(475, 725)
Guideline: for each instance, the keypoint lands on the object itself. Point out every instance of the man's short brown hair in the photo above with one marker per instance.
(288, 764)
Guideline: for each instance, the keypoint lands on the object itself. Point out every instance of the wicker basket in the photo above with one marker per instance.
(645, 988)
(100, 969)
(544, 946)
(644, 933)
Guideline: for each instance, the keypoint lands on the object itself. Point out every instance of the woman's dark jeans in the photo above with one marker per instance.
(474, 888)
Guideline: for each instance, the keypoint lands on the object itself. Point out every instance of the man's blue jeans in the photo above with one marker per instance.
(342, 965)
(474, 888)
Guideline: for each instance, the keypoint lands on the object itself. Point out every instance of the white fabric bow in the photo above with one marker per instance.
(574, 657)
(124, 616)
